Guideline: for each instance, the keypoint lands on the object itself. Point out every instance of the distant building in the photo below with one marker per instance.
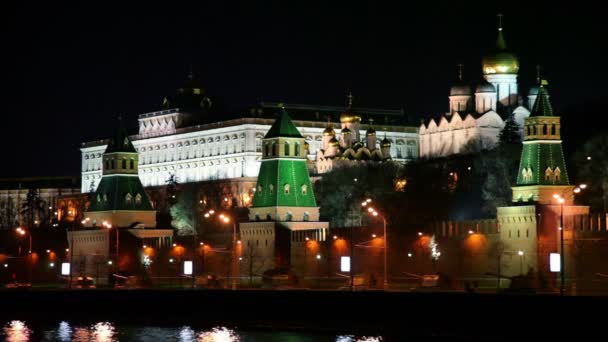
(46, 192)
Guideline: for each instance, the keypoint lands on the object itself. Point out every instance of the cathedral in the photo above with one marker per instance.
(349, 148)
(477, 114)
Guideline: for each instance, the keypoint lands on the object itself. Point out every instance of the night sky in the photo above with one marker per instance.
(67, 73)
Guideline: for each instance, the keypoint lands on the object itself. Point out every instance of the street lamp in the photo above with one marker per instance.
(22, 232)
(226, 219)
(560, 200)
(521, 262)
(373, 212)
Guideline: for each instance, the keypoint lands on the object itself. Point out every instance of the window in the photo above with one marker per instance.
(304, 188)
(124, 163)
(132, 164)
(297, 149)
(306, 216)
(267, 149)
(138, 199)
(557, 174)
(548, 174)
(287, 148)
(274, 149)
(113, 164)
(545, 129)
(553, 129)
(289, 217)
(258, 145)
(286, 188)
(518, 233)
(533, 130)
(271, 188)
(527, 233)
(260, 187)
(509, 233)
(107, 164)
(128, 198)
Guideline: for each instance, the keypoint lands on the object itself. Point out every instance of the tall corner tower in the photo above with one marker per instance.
(500, 68)
(542, 168)
(120, 198)
(284, 191)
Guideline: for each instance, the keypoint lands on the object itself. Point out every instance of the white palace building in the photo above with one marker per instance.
(478, 114)
(190, 139)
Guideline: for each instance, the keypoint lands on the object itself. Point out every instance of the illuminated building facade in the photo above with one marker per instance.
(477, 115)
(198, 142)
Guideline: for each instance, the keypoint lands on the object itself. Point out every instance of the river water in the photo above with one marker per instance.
(13, 331)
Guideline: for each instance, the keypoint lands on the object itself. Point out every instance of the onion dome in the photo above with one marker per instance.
(334, 142)
(385, 142)
(346, 130)
(500, 60)
(190, 97)
(485, 87)
(460, 89)
(348, 117)
(370, 131)
(329, 130)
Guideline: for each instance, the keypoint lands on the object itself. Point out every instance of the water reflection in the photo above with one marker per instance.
(351, 338)
(221, 334)
(64, 333)
(17, 331)
(186, 334)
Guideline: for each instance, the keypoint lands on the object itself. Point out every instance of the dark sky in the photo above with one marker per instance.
(67, 72)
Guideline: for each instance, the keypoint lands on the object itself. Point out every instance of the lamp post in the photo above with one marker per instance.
(560, 201)
(373, 212)
(521, 262)
(226, 219)
(22, 232)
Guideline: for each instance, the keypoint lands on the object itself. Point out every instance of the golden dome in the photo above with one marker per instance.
(500, 60)
(349, 117)
(329, 131)
(334, 142)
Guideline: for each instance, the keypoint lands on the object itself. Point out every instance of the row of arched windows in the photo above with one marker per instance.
(531, 130)
(271, 149)
(123, 163)
(286, 189)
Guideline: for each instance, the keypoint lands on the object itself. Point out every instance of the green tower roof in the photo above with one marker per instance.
(111, 194)
(284, 183)
(542, 105)
(120, 142)
(283, 127)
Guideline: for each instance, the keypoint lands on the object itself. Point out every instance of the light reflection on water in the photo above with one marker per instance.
(18, 331)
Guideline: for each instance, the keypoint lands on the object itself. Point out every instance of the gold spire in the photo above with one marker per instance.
(538, 74)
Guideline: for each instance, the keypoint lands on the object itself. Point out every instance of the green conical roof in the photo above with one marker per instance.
(542, 105)
(111, 194)
(283, 127)
(120, 142)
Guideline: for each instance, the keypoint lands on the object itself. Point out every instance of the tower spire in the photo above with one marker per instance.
(538, 74)
(460, 67)
(499, 15)
(190, 73)
(350, 100)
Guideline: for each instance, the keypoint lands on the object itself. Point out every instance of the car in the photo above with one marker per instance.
(85, 283)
